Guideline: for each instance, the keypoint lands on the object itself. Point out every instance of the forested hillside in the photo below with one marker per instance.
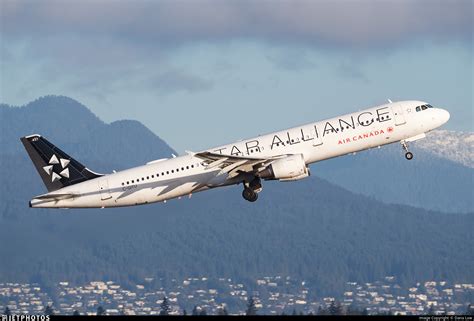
(311, 229)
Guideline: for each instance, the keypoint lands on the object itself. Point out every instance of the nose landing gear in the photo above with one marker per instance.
(251, 190)
(408, 154)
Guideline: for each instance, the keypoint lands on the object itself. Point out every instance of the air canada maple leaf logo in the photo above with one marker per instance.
(390, 129)
(57, 168)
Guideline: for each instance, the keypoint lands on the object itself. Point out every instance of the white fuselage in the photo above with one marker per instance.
(170, 178)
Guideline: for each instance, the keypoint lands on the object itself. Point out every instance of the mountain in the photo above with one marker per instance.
(67, 123)
(455, 146)
(430, 180)
(310, 229)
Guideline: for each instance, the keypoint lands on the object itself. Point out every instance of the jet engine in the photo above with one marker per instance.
(290, 168)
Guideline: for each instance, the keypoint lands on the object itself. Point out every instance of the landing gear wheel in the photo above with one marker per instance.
(249, 195)
(408, 155)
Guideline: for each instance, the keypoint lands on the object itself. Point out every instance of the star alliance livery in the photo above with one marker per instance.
(283, 155)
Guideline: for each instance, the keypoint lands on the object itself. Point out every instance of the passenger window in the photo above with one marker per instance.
(148, 177)
(123, 184)
(127, 182)
(187, 167)
(167, 172)
(133, 181)
(162, 173)
(192, 166)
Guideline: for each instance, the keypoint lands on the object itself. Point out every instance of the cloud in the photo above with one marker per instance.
(293, 60)
(339, 24)
(177, 80)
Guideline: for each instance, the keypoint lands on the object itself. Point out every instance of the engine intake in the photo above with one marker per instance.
(290, 168)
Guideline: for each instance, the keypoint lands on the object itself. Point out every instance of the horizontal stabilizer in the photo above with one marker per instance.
(56, 197)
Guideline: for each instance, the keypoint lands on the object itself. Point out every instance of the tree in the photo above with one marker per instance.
(470, 310)
(322, 311)
(335, 308)
(48, 310)
(7, 311)
(165, 307)
(222, 311)
(365, 312)
(431, 310)
(76, 312)
(100, 310)
(195, 310)
(203, 312)
(251, 308)
(185, 312)
(294, 312)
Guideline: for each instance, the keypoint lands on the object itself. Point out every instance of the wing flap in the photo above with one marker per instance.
(234, 165)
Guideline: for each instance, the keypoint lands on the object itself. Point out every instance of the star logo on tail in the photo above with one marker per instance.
(61, 164)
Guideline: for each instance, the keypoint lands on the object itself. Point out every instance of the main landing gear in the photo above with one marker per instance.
(408, 154)
(251, 190)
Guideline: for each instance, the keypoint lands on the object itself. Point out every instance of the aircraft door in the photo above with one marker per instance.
(398, 115)
(104, 189)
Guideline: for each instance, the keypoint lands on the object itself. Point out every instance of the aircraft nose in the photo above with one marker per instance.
(444, 115)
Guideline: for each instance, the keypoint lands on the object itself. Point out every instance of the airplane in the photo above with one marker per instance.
(283, 156)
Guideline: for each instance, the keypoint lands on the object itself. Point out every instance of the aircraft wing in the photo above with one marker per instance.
(234, 165)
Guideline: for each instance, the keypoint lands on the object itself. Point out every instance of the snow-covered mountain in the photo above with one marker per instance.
(453, 145)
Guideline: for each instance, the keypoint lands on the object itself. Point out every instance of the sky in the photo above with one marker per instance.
(203, 73)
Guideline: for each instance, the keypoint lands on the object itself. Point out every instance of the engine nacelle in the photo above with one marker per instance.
(290, 168)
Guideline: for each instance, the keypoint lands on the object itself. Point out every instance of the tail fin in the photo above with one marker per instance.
(56, 168)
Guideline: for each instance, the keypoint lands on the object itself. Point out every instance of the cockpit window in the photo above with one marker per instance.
(423, 107)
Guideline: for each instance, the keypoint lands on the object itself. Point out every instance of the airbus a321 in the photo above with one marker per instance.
(283, 156)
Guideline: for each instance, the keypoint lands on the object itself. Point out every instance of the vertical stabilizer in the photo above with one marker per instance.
(56, 168)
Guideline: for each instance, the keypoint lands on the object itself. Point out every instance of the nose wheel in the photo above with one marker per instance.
(408, 154)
